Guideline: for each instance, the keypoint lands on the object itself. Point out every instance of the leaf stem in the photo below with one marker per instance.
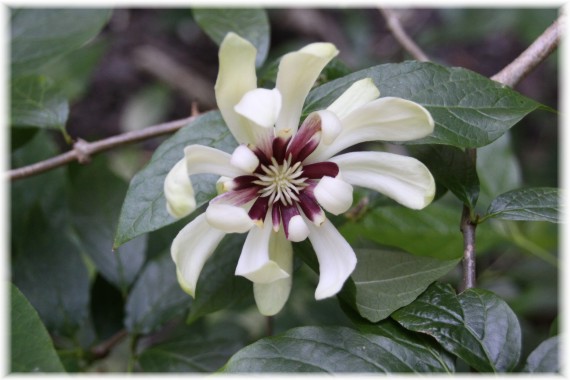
(132, 353)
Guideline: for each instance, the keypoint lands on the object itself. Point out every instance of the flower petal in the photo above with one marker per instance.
(297, 73)
(271, 297)
(255, 262)
(244, 159)
(236, 76)
(178, 191)
(404, 179)
(384, 119)
(333, 194)
(357, 95)
(336, 258)
(203, 159)
(228, 218)
(190, 249)
(261, 106)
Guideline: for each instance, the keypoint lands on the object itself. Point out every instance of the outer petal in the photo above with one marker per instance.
(297, 73)
(357, 95)
(236, 76)
(255, 262)
(271, 297)
(404, 179)
(336, 258)
(190, 249)
(384, 119)
(178, 191)
(203, 159)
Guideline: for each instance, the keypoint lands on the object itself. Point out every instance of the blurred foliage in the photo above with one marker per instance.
(122, 310)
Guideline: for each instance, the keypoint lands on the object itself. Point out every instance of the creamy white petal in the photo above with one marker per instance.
(336, 258)
(236, 76)
(203, 159)
(331, 126)
(297, 73)
(228, 218)
(271, 297)
(357, 95)
(255, 262)
(178, 191)
(244, 159)
(190, 249)
(261, 106)
(334, 195)
(384, 119)
(404, 179)
(297, 229)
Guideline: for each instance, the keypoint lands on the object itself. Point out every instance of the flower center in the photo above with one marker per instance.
(281, 182)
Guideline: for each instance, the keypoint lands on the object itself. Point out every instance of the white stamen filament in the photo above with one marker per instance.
(281, 182)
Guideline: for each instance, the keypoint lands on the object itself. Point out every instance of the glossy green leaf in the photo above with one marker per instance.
(41, 35)
(49, 270)
(390, 329)
(545, 358)
(31, 348)
(156, 297)
(144, 207)
(196, 348)
(35, 101)
(218, 287)
(452, 168)
(433, 231)
(534, 204)
(384, 281)
(96, 195)
(250, 23)
(475, 325)
(469, 110)
(332, 350)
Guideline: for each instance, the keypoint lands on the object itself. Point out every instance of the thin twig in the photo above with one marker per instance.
(82, 150)
(468, 230)
(401, 36)
(102, 350)
(529, 59)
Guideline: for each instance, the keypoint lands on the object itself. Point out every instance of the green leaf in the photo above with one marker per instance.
(475, 325)
(96, 195)
(469, 110)
(195, 348)
(218, 287)
(384, 281)
(31, 348)
(39, 36)
(49, 270)
(534, 204)
(156, 297)
(251, 24)
(452, 168)
(332, 350)
(544, 358)
(36, 102)
(144, 207)
(422, 344)
(498, 169)
(433, 231)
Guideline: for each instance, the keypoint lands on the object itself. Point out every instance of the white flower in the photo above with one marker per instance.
(276, 184)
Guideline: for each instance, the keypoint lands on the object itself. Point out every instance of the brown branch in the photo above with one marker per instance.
(103, 349)
(401, 36)
(82, 150)
(529, 59)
